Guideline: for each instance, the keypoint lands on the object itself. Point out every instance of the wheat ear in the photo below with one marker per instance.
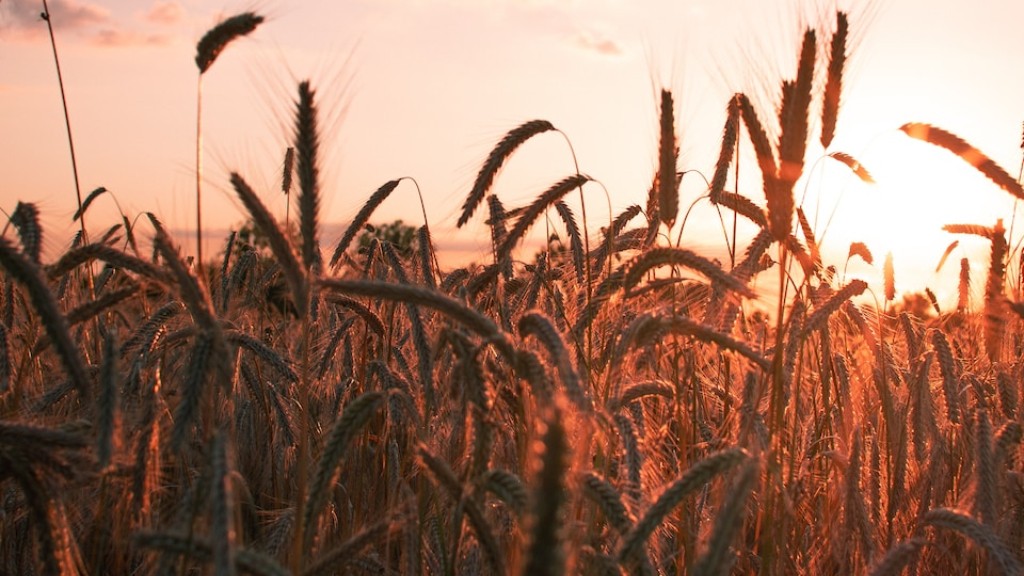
(944, 139)
(361, 218)
(545, 555)
(28, 273)
(898, 557)
(834, 80)
(516, 137)
(728, 522)
(981, 534)
(671, 256)
(279, 244)
(668, 191)
(694, 478)
(307, 150)
(349, 424)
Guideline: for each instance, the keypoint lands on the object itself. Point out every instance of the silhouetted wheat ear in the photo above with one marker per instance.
(964, 286)
(758, 137)
(718, 559)
(861, 250)
(728, 148)
(822, 313)
(950, 376)
(945, 255)
(88, 200)
(898, 557)
(854, 165)
(78, 256)
(458, 311)
(793, 111)
(979, 533)
(693, 479)
(604, 494)
(540, 327)
(279, 244)
(534, 210)
(834, 81)
(307, 165)
(995, 302)
(668, 193)
(288, 170)
(352, 420)
(575, 239)
(361, 219)
(856, 516)
(889, 278)
(679, 324)
(812, 242)
(670, 256)
(28, 274)
(26, 219)
(218, 37)
(515, 138)
(939, 137)
(545, 555)
(339, 557)
(985, 495)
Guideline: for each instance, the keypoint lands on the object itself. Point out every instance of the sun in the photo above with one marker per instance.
(918, 189)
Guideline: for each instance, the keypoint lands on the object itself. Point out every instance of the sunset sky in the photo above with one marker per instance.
(425, 88)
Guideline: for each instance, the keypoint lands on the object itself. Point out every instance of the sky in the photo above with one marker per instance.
(425, 88)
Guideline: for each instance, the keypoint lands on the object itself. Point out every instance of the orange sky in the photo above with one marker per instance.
(424, 88)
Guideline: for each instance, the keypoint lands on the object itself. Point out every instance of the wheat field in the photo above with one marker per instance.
(613, 404)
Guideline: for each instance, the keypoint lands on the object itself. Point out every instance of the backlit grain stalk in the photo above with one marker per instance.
(207, 51)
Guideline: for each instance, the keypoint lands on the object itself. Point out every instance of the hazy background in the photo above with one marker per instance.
(425, 88)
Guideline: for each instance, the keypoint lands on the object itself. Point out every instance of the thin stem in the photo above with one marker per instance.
(67, 118)
(199, 177)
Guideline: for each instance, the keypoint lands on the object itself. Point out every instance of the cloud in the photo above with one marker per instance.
(113, 38)
(26, 15)
(165, 12)
(598, 43)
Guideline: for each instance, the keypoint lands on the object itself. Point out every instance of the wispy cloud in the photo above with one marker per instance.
(26, 15)
(598, 43)
(114, 38)
(165, 12)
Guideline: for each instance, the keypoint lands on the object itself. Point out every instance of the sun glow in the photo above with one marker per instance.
(918, 189)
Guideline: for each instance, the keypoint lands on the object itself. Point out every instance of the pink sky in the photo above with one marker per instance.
(424, 88)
